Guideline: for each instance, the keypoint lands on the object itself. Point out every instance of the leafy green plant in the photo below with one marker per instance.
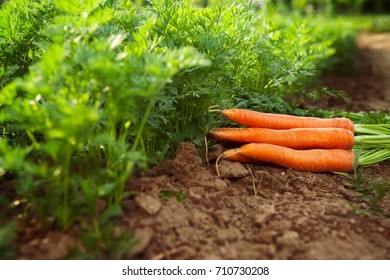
(7, 230)
(372, 191)
(381, 24)
(21, 26)
(341, 35)
(82, 109)
(322, 6)
(7, 233)
(105, 242)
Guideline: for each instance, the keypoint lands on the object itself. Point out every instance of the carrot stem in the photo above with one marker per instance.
(372, 141)
(372, 129)
(371, 156)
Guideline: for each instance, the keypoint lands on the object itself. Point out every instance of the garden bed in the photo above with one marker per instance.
(184, 211)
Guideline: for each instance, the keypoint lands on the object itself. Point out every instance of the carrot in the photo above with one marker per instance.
(280, 121)
(296, 138)
(314, 160)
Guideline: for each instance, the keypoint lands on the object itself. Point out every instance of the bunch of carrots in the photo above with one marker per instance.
(303, 143)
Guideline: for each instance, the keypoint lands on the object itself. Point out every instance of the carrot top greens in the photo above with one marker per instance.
(372, 143)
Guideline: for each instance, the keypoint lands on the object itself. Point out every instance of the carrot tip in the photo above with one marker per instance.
(207, 150)
(217, 164)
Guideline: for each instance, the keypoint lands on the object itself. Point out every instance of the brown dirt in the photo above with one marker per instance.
(369, 87)
(254, 211)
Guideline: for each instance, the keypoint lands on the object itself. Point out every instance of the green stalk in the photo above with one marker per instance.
(141, 127)
(373, 129)
(122, 176)
(65, 186)
(32, 139)
(376, 141)
(372, 156)
(355, 117)
(375, 135)
(372, 143)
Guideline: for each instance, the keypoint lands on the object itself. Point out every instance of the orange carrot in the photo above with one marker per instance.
(296, 138)
(280, 121)
(314, 160)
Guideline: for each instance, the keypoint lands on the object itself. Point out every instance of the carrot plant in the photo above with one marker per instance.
(107, 243)
(7, 230)
(371, 190)
(82, 110)
(22, 23)
(7, 233)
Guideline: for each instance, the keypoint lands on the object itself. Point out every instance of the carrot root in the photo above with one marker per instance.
(296, 138)
(206, 150)
(314, 160)
(281, 121)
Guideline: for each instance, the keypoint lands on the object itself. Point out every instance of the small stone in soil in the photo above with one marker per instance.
(264, 214)
(148, 203)
(230, 169)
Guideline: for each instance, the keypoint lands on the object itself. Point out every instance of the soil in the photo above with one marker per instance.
(369, 86)
(253, 211)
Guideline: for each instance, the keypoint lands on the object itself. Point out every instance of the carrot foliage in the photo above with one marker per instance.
(73, 126)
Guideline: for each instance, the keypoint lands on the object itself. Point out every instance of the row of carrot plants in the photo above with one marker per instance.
(91, 91)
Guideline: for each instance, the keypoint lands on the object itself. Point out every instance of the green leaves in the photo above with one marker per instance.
(371, 190)
(21, 25)
(83, 109)
(256, 58)
(7, 234)
(91, 90)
